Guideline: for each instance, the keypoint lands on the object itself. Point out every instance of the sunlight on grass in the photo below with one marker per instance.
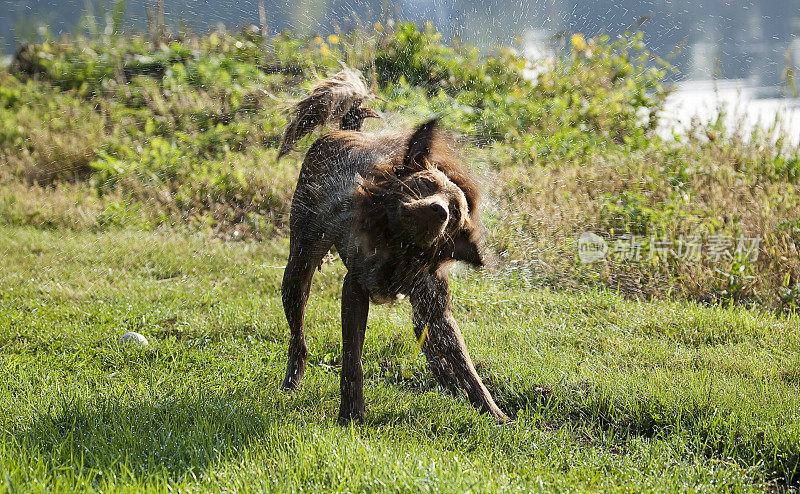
(607, 392)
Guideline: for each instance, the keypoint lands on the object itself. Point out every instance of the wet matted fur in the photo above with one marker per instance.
(399, 208)
(335, 99)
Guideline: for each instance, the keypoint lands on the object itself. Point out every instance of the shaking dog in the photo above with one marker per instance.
(400, 209)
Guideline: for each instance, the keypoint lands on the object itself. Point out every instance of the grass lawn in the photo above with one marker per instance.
(608, 393)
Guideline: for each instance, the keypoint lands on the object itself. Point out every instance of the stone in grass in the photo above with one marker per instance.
(133, 338)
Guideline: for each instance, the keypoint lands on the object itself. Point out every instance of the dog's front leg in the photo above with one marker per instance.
(438, 366)
(431, 301)
(355, 308)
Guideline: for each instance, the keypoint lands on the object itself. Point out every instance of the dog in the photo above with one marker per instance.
(399, 208)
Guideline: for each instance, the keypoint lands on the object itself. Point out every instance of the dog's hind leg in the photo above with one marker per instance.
(431, 301)
(355, 308)
(304, 257)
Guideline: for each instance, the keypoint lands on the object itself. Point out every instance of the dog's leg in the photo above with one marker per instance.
(304, 257)
(431, 301)
(438, 366)
(355, 308)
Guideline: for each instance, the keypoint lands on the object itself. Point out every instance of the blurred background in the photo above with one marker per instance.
(741, 54)
(745, 39)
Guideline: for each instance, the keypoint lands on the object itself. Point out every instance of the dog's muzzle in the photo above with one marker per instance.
(429, 219)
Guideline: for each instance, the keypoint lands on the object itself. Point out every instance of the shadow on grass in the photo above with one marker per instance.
(181, 437)
(711, 431)
(601, 419)
(176, 437)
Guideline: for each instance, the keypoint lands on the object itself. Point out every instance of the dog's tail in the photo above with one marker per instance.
(337, 99)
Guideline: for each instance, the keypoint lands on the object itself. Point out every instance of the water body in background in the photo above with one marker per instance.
(749, 39)
(744, 107)
(743, 65)
(747, 45)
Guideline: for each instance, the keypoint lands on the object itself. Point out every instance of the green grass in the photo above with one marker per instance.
(122, 156)
(609, 393)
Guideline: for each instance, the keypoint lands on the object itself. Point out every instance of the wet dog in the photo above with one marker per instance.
(399, 208)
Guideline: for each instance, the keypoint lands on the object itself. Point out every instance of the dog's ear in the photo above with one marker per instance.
(419, 145)
(467, 247)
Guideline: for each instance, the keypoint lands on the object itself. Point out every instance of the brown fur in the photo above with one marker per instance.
(399, 208)
(337, 99)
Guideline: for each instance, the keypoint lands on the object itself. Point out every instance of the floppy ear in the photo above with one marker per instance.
(466, 247)
(419, 145)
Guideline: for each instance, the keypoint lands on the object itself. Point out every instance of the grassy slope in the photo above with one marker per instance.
(609, 393)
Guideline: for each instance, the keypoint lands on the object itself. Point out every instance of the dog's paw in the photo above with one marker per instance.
(504, 420)
(294, 373)
(350, 416)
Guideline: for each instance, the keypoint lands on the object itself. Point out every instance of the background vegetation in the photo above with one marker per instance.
(147, 131)
(139, 191)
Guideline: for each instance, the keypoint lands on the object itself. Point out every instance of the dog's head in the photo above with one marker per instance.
(422, 200)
